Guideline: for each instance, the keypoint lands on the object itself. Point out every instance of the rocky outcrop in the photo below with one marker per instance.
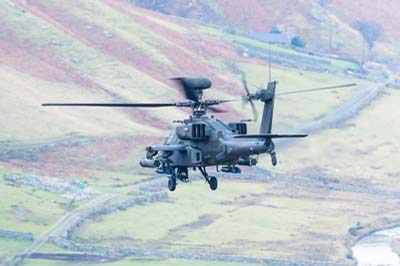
(67, 188)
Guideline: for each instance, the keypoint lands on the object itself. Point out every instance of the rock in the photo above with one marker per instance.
(107, 34)
(56, 43)
(70, 189)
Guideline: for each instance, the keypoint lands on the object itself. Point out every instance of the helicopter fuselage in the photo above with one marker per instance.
(203, 141)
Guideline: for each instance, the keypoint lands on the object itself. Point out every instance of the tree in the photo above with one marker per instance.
(275, 30)
(370, 31)
(298, 42)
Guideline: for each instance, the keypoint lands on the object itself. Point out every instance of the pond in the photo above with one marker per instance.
(378, 248)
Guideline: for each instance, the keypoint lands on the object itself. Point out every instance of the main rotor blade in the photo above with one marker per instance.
(318, 89)
(216, 110)
(218, 102)
(141, 105)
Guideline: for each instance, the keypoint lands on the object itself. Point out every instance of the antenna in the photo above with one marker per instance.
(269, 61)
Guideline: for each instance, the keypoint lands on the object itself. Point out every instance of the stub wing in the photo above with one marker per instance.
(168, 148)
(270, 136)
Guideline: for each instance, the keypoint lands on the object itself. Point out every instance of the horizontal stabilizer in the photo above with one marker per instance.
(270, 136)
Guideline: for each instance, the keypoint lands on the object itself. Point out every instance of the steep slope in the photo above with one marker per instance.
(97, 51)
(112, 51)
(105, 51)
(326, 26)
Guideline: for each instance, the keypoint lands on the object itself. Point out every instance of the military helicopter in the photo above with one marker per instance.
(201, 141)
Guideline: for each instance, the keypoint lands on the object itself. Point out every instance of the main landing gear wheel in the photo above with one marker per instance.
(172, 183)
(213, 182)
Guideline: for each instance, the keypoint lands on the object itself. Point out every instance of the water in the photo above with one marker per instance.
(376, 250)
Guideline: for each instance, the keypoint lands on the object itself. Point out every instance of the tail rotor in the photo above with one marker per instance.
(249, 97)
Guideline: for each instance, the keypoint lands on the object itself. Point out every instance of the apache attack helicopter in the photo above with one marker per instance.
(201, 141)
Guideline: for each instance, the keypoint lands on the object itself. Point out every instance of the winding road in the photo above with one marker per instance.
(62, 223)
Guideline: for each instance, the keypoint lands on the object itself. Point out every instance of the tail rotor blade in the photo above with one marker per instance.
(255, 113)
(248, 98)
(244, 81)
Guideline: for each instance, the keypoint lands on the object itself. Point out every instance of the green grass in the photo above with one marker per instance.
(33, 262)
(142, 262)
(29, 92)
(168, 215)
(249, 219)
(135, 34)
(28, 210)
(171, 262)
(338, 64)
(365, 149)
(9, 247)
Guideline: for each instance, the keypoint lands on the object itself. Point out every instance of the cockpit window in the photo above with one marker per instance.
(170, 139)
(224, 126)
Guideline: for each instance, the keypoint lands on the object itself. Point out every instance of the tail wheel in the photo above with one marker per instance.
(172, 183)
(274, 160)
(213, 183)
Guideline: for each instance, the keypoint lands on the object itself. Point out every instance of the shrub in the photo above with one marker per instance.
(298, 42)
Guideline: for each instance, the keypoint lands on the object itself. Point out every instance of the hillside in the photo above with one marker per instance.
(110, 51)
(325, 25)
(74, 190)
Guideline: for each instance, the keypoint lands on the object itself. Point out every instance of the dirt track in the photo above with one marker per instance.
(64, 221)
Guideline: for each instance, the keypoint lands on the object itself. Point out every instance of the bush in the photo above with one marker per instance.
(298, 42)
(275, 30)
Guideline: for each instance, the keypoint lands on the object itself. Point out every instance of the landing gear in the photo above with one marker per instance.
(181, 174)
(271, 151)
(172, 183)
(211, 180)
(213, 183)
(274, 160)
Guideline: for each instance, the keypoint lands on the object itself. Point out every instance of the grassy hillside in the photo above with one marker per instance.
(326, 26)
(109, 51)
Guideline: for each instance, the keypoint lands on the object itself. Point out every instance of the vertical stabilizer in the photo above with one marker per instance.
(267, 96)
